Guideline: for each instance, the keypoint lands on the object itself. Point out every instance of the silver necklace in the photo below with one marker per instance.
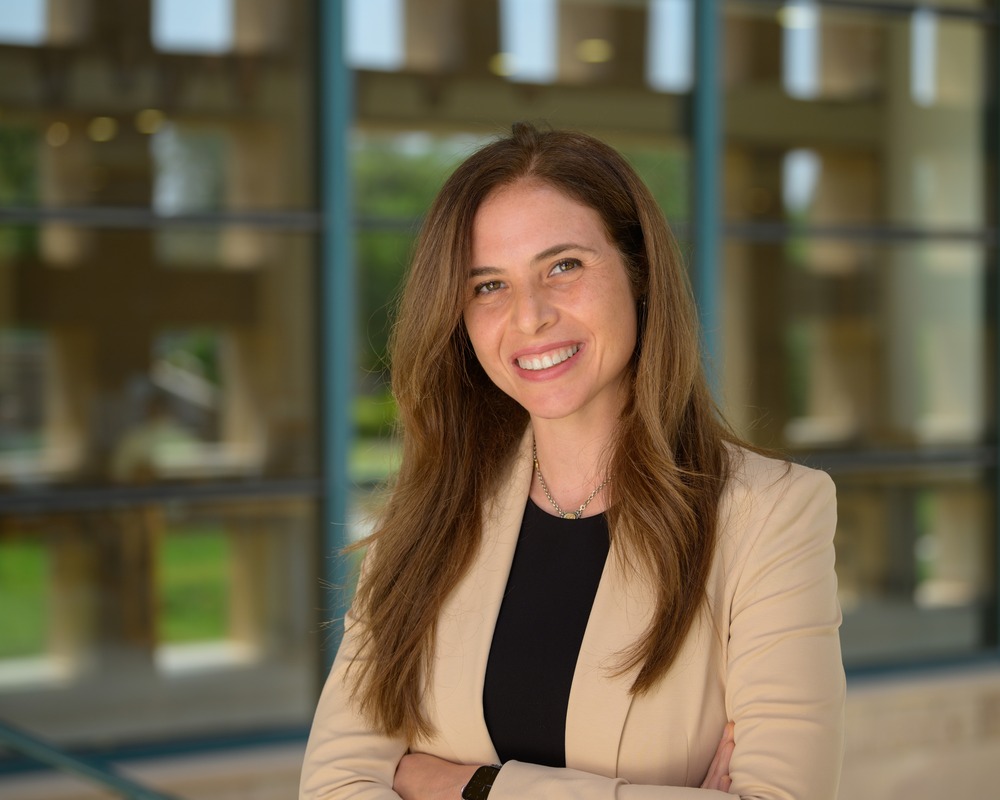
(564, 514)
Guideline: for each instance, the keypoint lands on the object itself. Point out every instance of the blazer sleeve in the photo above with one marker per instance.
(345, 759)
(785, 678)
(785, 683)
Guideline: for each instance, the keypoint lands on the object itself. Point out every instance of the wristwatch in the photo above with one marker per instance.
(479, 785)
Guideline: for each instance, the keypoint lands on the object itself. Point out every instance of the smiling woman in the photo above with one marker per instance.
(655, 617)
(554, 326)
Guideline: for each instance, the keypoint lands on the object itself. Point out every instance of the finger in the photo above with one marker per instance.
(719, 772)
(725, 748)
(718, 767)
(714, 769)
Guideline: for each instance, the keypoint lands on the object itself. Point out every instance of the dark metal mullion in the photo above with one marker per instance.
(337, 314)
(887, 9)
(62, 500)
(118, 217)
(707, 205)
(782, 231)
(866, 461)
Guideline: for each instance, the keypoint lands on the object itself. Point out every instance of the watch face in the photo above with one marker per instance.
(478, 787)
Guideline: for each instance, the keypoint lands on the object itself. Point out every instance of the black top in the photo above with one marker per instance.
(550, 591)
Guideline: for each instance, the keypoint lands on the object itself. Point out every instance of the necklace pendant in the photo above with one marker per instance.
(570, 515)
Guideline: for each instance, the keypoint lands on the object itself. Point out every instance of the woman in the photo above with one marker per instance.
(580, 574)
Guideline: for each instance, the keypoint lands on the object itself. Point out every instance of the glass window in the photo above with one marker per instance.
(154, 372)
(914, 557)
(904, 143)
(156, 619)
(857, 330)
(159, 419)
(833, 344)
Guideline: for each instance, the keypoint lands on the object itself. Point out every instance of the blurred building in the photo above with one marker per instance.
(205, 209)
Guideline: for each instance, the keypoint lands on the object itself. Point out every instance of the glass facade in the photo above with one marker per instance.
(859, 268)
(159, 456)
(163, 258)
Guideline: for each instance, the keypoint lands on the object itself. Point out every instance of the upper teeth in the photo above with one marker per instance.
(548, 359)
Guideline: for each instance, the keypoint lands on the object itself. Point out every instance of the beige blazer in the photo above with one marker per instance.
(764, 653)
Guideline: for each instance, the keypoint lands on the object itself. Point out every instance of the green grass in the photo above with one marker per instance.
(24, 567)
(193, 575)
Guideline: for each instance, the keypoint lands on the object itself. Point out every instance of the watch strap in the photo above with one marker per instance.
(479, 785)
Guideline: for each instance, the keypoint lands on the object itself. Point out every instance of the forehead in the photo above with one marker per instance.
(533, 209)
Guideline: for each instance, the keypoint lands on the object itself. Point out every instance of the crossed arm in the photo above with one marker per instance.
(420, 776)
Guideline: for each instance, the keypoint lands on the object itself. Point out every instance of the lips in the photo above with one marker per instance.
(548, 360)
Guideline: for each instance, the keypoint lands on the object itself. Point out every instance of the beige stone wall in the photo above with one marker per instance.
(923, 738)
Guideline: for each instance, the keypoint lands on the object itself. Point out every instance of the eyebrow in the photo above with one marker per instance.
(480, 272)
(548, 252)
(556, 249)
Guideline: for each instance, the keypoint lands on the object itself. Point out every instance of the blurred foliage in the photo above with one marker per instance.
(18, 166)
(375, 415)
(195, 350)
(19, 169)
(395, 181)
(667, 173)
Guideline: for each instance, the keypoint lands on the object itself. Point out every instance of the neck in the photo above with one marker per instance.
(574, 462)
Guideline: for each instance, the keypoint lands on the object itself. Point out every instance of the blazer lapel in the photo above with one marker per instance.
(465, 630)
(598, 702)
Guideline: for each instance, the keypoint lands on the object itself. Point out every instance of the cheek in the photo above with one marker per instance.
(626, 324)
(481, 326)
(482, 337)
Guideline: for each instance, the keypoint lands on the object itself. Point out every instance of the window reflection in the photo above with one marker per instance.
(891, 163)
(24, 23)
(528, 40)
(800, 48)
(375, 34)
(923, 57)
(192, 26)
(829, 52)
(855, 331)
(189, 169)
(153, 605)
(145, 372)
(670, 45)
(157, 350)
(540, 42)
(857, 345)
(27, 452)
(913, 558)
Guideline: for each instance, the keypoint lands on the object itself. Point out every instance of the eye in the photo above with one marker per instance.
(566, 265)
(487, 287)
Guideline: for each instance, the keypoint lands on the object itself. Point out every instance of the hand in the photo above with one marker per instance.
(718, 772)
(424, 777)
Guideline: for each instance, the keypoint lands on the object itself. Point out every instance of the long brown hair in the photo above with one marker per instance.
(460, 432)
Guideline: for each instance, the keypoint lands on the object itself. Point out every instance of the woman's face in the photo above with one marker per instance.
(549, 310)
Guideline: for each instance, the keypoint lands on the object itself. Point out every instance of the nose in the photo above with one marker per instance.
(533, 311)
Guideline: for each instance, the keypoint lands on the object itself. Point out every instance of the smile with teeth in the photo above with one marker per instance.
(547, 360)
